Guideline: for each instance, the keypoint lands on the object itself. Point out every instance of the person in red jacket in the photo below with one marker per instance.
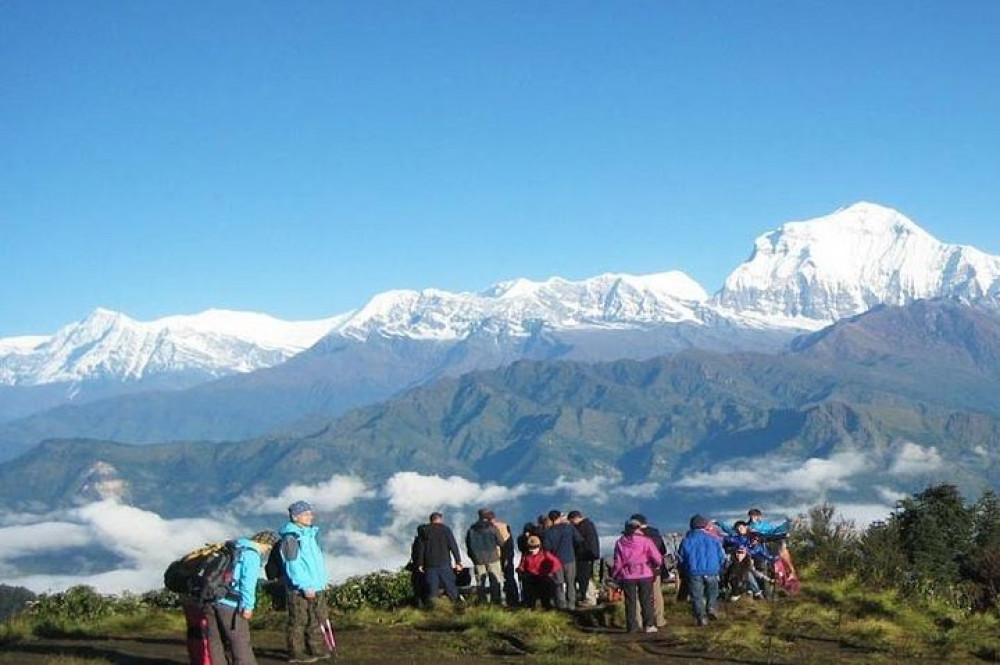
(538, 568)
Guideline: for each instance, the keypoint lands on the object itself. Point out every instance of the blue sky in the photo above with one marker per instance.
(296, 158)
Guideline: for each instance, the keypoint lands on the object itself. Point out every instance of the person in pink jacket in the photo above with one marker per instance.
(636, 562)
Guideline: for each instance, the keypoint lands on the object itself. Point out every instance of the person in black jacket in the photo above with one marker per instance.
(588, 550)
(434, 549)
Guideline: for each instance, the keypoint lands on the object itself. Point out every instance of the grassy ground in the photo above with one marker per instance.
(827, 623)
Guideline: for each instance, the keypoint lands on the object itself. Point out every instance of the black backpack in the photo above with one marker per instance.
(274, 568)
(206, 574)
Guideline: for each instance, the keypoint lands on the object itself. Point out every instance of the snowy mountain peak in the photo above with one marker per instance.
(509, 307)
(108, 345)
(845, 263)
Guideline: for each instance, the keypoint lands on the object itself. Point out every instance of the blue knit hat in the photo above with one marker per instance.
(298, 508)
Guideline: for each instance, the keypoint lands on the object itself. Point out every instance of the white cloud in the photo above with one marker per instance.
(145, 542)
(26, 539)
(413, 496)
(981, 451)
(599, 489)
(338, 492)
(815, 475)
(890, 495)
(911, 459)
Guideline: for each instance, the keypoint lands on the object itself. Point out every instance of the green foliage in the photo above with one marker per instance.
(880, 558)
(828, 545)
(13, 599)
(382, 590)
(936, 533)
(81, 610)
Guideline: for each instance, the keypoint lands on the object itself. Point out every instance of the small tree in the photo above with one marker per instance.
(936, 533)
(828, 542)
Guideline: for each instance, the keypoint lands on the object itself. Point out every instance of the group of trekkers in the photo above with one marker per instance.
(559, 553)
(219, 631)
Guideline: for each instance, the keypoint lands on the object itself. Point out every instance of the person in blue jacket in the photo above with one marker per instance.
(701, 558)
(228, 625)
(305, 582)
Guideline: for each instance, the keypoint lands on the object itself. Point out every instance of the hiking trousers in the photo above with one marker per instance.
(489, 575)
(303, 632)
(658, 609)
(704, 594)
(638, 593)
(229, 631)
(565, 579)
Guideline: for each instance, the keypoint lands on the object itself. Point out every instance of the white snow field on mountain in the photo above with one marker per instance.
(800, 277)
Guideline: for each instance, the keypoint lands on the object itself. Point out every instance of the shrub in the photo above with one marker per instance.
(828, 544)
(381, 590)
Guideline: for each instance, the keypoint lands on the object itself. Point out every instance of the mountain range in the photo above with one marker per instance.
(882, 402)
(227, 375)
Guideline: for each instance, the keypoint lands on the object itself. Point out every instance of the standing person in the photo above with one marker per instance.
(653, 534)
(538, 569)
(701, 560)
(305, 581)
(636, 563)
(587, 551)
(435, 550)
(561, 539)
(417, 578)
(228, 619)
(512, 596)
(483, 543)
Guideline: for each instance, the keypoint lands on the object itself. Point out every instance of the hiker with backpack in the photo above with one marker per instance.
(228, 627)
(217, 584)
(307, 631)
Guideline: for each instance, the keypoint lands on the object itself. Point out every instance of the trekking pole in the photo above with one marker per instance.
(328, 638)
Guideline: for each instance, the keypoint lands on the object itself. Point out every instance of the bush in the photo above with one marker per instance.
(824, 542)
(380, 590)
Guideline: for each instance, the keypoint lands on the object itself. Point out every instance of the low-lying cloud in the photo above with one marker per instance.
(911, 459)
(813, 476)
(338, 492)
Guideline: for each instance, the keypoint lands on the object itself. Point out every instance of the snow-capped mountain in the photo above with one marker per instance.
(845, 263)
(800, 278)
(109, 346)
(518, 307)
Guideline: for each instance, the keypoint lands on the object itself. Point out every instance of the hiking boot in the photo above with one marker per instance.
(713, 616)
(759, 595)
(702, 621)
(652, 629)
(733, 599)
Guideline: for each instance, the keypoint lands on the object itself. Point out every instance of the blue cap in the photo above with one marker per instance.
(299, 507)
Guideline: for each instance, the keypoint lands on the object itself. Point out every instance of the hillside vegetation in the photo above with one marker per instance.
(923, 585)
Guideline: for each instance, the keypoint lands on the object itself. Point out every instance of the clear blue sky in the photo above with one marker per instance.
(296, 158)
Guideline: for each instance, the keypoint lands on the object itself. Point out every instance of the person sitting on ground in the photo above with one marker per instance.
(636, 563)
(701, 558)
(742, 576)
(538, 569)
